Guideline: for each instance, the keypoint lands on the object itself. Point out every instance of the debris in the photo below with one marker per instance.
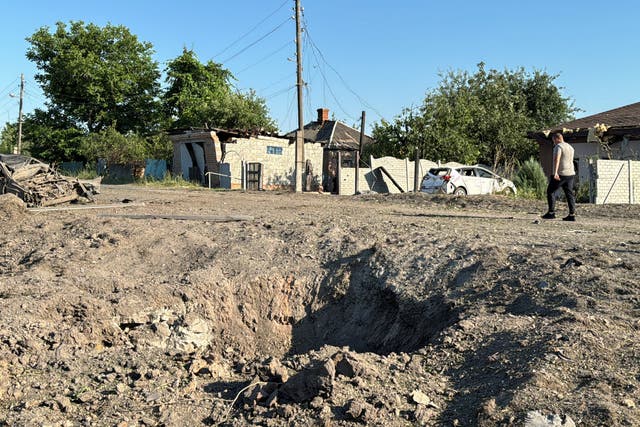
(79, 208)
(347, 365)
(420, 398)
(205, 218)
(536, 419)
(314, 381)
(360, 410)
(39, 184)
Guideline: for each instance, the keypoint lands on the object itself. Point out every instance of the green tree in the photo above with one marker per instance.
(113, 146)
(480, 117)
(96, 77)
(8, 138)
(201, 95)
(52, 137)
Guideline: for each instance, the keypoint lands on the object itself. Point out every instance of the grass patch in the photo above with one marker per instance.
(168, 181)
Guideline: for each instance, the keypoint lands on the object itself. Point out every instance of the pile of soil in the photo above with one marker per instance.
(319, 310)
(12, 209)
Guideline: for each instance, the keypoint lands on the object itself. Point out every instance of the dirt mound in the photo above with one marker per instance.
(12, 209)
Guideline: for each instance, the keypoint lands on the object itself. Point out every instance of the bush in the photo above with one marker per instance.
(531, 180)
(116, 148)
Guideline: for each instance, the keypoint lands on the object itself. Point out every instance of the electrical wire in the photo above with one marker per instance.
(251, 30)
(290, 111)
(8, 87)
(333, 95)
(278, 81)
(279, 92)
(257, 41)
(265, 57)
(315, 48)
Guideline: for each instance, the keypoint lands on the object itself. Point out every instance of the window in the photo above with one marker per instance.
(274, 150)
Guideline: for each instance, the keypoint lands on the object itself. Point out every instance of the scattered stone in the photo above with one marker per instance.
(572, 262)
(488, 412)
(543, 285)
(199, 367)
(317, 402)
(347, 365)
(423, 415)
(420, 398)
(316, 380)
(359, 410)
(629, 403)
(276, 372)
(64, 404)
(286, 411)
(536, 419)
(260, 393)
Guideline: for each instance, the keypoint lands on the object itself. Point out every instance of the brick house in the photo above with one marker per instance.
(340, 142)
(235, 159)
(613, 134)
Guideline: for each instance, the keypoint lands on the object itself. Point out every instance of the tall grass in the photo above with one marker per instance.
(169, 181)
(531, 180)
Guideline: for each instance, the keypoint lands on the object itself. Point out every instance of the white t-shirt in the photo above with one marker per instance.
(566, 159)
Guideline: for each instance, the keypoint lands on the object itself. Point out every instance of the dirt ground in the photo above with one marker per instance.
(319, 310)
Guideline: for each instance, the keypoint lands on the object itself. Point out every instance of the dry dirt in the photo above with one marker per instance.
(318, 310)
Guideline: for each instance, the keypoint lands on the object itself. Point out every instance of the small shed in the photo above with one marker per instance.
(232, 159)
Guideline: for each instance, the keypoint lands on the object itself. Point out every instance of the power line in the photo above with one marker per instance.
(333, 95)
(8, 86)
(257, 41)
(266, 57)
(315, 48)
(288, 76)
(251, 30)
(280, 92)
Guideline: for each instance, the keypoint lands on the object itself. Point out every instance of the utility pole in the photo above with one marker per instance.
(300, 133)
(417, 179)
(20, 114)
(359, 153)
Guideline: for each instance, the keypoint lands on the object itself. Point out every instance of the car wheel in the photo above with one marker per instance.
(508, 191)
(460, 191)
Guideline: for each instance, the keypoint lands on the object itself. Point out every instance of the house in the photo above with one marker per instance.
(613, 134)
(341, 144)
(238, 159)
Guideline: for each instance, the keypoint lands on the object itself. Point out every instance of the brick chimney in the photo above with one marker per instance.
(323, 115)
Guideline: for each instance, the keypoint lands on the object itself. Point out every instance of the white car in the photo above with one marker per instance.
(463, 180)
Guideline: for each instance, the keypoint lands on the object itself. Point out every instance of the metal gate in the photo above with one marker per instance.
(254, 176)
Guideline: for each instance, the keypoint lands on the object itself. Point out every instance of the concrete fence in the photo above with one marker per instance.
(615, 181)
(372, 179)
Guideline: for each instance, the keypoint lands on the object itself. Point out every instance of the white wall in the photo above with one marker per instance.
(277, 169)
(617, 181)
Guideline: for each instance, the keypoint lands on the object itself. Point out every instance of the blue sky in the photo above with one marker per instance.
(378, 56)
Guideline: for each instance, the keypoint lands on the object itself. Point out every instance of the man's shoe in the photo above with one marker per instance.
(549, 215)
(569, 218)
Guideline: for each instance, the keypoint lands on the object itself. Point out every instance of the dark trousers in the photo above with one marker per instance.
(566, 183)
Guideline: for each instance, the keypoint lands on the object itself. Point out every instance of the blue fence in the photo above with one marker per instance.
(156, 169)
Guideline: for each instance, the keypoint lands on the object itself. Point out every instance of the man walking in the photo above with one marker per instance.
(562, 176)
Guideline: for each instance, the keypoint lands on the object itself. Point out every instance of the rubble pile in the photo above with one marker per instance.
(39, 184)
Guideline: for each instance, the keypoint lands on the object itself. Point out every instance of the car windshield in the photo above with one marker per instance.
(485, 173)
